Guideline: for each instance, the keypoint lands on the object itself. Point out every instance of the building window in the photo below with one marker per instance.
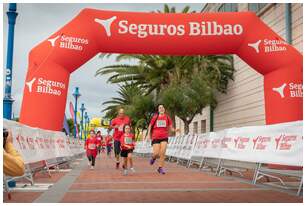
(195, 127)
(256, 7)
(228, 8)
(203, 126)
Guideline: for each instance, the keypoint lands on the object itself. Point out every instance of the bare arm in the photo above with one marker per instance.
(172, 129)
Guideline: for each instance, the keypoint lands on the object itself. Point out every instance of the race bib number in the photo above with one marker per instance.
(91, 146)
(128, 140)
(120, 128)
(161, 123)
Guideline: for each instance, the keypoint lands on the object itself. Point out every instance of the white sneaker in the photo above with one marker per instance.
(125, 172)
(89, 163)
(92, 167)
(132, 170)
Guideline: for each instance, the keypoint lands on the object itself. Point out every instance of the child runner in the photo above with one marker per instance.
(127, 143)
(91, 148)
(99, 140)
(108, 141)
(160, 125)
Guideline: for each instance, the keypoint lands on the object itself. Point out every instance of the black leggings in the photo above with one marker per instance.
(99, 149)
(109, 148)
(117, 149)
(92, 159)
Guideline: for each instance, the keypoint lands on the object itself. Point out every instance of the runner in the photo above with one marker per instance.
(160, 125)
(91, 148)
(118, 124)
(103, 144)
(99, 142)
(127, 141)
(108, 141)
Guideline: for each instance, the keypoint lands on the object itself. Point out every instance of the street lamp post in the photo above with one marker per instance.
(86, 116)
(8, 100)
(82, 110)
(76, 95)
(88, 123)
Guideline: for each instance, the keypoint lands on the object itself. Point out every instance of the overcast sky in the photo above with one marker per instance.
(36, 22)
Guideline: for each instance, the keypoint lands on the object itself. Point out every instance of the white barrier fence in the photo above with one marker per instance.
(36, 144)
(271, 144)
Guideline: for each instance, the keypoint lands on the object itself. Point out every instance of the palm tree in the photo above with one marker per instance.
(153, 72)
(167, 9)
(126, 93)
(138, 107)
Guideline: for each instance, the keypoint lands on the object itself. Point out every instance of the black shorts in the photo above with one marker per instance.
(117, 147)
(158, 141)
(124, 153)
(109, 148)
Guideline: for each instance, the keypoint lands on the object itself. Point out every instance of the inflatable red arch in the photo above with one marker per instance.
(93, 31)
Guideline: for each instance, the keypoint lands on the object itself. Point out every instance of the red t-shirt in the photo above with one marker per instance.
(91, 143)
(127, 139)
(108, 140)
(121, 122)
(99, 139)
(161, 126)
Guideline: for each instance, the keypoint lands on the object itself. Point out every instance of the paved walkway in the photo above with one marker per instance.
(105, 184)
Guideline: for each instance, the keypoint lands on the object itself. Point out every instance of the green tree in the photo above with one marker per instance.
(137, 106)
(211, 73)
(167, 9)
(71, 125)
(186, 99)
(141, 111)
(126, 94)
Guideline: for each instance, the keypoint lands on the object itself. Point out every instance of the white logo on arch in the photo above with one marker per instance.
(52, 41)
(280, 90)
(106, 23)
(255, 46)
(30, 84)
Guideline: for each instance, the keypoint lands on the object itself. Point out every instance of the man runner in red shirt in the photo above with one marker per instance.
(117, 124)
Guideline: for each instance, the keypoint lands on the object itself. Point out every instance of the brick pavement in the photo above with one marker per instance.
(106, 184)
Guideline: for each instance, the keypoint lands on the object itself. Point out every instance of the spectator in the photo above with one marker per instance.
(13, 164)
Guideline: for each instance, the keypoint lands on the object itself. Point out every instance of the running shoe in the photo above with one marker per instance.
(132, 170)
(152, 161)
(89, 163)
(125, 172)
(117, 165)
(160, 170)
(92, 167)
